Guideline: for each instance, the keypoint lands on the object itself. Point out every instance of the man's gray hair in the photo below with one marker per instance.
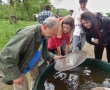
(50, 22)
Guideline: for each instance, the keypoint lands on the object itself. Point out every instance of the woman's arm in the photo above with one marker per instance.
(88, 39)
(66, 49)
(59, 50)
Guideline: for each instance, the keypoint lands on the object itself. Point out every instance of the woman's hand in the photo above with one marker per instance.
(95, 41)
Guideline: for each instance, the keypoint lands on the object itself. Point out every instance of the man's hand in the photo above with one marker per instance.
(19, 81)
(58, 57)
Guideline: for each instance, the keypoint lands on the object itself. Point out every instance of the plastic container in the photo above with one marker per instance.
(88, 61)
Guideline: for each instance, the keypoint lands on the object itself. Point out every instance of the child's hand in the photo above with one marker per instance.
(58, 57)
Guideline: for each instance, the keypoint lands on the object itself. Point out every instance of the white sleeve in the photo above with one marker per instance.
(75, 18)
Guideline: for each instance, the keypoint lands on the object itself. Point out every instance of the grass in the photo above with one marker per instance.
(7, 30)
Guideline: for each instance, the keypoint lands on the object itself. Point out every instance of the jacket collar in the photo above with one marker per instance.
(38, 35)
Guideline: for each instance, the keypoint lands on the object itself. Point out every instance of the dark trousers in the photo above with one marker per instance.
(98, 51)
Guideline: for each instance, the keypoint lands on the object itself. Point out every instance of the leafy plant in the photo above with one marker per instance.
(7, 31)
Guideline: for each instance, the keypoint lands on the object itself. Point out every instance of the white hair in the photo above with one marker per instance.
(50, 22)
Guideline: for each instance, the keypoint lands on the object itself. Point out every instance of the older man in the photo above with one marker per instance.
(27, 51)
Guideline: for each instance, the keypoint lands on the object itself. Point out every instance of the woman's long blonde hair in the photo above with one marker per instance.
(70, 20)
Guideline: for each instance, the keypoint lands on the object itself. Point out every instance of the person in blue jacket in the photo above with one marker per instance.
(27, 51)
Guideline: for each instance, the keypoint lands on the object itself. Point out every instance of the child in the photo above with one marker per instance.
(66, 31)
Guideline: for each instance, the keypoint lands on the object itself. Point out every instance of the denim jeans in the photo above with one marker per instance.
(76, 40)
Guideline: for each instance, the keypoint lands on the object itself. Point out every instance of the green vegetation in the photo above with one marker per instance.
(25, 9)
(7, 30)
(108, 14)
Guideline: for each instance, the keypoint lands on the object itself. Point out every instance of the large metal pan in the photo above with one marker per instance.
(71, 60)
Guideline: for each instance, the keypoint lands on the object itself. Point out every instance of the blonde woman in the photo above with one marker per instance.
(66, 31)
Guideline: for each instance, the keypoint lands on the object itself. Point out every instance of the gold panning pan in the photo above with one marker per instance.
(71, 60)
(100, 88)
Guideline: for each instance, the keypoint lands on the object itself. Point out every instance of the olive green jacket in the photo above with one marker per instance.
(17, 53)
